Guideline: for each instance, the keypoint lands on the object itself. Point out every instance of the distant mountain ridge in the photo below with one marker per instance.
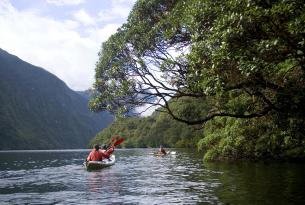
(39, 111)
(85, 93)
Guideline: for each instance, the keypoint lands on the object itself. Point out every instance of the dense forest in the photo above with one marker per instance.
(152, 131)
(241, 62)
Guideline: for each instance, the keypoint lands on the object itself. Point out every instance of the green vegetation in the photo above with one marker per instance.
(152, 131)
(38, 111)
(244, 60)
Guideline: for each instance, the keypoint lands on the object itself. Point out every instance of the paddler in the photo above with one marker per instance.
(94, 155)
(106, 152)
(161, 150)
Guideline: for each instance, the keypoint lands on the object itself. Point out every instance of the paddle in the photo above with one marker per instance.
(119, 141)
(115, 137)
(116, 143)
(112, 140)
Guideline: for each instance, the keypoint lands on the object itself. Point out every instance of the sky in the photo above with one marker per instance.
(61, 36)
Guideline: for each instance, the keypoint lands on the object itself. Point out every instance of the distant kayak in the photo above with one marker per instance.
(162, 154)
(95, 165)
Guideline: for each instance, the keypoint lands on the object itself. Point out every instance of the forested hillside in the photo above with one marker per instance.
(244, 59)
(38, 111)
(155, 130)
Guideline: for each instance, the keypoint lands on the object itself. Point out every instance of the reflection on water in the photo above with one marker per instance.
(57, 177)
(260, 183)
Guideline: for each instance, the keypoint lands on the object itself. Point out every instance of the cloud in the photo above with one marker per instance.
(55, 45)
(146, 110)
(123, 1)
(65, 2)
(115, 13)
(103, 33)
(83, 17)
(119, 10)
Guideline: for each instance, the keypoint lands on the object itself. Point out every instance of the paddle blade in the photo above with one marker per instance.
(115, 137)
(119, 141)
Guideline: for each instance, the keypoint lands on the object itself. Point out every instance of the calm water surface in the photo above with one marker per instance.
(58, 177)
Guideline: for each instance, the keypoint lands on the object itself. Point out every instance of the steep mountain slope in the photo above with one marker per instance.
(38, 110)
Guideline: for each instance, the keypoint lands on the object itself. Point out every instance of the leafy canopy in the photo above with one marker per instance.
(243, 58)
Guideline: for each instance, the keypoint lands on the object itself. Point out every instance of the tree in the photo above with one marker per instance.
(244, 59)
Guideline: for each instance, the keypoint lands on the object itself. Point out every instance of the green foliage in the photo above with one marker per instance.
(243, 60)
(224, 51)
(228, 138)
(152, 131)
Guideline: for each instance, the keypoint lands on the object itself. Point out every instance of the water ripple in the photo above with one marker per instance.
(136, 178)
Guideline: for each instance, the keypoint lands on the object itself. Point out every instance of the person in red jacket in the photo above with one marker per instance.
(94, 154)
(106, 152)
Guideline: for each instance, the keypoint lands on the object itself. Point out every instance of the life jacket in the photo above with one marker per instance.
(93, 156)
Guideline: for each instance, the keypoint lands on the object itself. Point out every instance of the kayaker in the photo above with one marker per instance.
(94, 154)
(161, 150)
(105, 153)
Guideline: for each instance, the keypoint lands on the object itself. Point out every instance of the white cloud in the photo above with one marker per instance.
(115, 13)
(119, 10)
(104, 33)
(83, 17)
(123, 1)
(65, 2)
(146, 110)
(54, 45)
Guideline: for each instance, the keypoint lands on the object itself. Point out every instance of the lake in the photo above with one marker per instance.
(138, 177)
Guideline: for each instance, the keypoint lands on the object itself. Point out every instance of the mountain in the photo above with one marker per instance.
(85, 93)
(39, 111)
